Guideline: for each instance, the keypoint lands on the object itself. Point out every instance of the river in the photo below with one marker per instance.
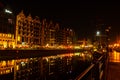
(58, 67)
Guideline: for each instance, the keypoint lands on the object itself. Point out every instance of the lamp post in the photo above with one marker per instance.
(98, 37)
(98, 33)
(8, 11)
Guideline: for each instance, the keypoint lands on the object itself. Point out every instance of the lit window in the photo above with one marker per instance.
(18, 38)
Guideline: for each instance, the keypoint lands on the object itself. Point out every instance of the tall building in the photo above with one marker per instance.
(33, 32)
(7, 27)
(65, 36)
(49, 30)
(27, 30)
(43, 33)
(52, 33)
(59, 36)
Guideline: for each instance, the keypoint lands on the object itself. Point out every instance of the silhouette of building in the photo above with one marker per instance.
(7, 27)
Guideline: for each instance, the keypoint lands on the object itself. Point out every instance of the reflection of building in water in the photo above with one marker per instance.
(45, 68)
(6, 70)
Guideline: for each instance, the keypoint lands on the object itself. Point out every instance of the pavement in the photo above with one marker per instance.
(114, 71)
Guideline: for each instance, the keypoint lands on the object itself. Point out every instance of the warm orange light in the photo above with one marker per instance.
(18, 38)
(115, 56)
(4, 63)
(17, 67)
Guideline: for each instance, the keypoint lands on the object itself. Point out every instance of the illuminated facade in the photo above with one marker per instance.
(7, 40)
(68, 36)
(7, 27)
(43, 33)
(48, 33)
(27, 30)
(52, 33)
(65, 36)
(33, 32)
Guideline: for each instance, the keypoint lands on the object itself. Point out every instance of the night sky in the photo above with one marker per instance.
(80, 16)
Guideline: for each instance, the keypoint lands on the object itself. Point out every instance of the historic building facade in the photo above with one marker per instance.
(35, 32)
(65, 36)
(27, 29)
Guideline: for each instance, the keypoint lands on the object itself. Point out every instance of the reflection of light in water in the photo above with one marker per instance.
(115, 56)
(77, 54)
(6, 66)
(17, 67)
(23, 63)
(82, 56)
(64, 55)
(58, 56)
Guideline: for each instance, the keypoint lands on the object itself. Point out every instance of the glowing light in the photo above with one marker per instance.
(7, 71)
(18, 38)
(8, 11)
(4, 63)
(77, 53)
(77, 47)
(47, 45)
(5, 44)
(17, 67)
(114, 56)
(98, 33)
(23, 63)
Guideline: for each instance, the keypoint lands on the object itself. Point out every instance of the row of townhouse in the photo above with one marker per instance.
(35, 32)
(21, 29)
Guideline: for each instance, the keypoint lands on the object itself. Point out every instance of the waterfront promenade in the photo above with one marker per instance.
(43, 64)
(113, 69)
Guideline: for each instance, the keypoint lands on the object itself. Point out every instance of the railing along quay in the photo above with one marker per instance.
(97, 70)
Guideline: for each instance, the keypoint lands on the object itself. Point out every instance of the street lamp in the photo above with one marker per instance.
(8, 11)
(98, 37)
(98, 33)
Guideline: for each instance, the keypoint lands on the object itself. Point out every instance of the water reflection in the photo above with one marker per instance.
(114, 56)
(60, 67)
